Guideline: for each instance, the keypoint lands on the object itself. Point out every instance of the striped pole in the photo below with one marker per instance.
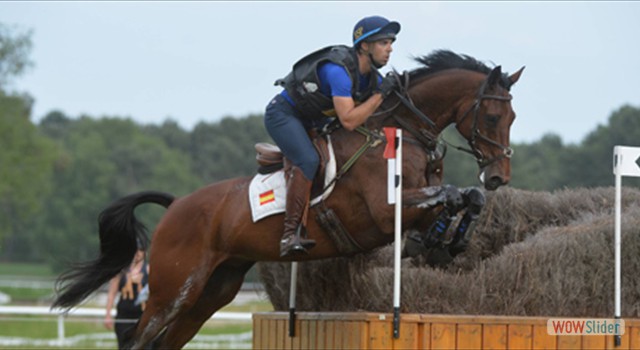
(393, 153)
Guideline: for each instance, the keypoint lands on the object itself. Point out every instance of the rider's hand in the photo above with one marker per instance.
(389, 83)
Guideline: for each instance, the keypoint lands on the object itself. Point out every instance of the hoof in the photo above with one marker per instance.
(453, 200)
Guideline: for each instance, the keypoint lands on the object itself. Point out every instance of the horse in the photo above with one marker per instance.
(206, 241)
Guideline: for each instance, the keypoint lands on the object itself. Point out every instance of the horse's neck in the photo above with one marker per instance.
(442, 96)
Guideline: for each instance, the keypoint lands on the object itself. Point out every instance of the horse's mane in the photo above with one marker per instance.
(440, 60)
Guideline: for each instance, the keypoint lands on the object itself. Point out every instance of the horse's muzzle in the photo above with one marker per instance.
(493, 182)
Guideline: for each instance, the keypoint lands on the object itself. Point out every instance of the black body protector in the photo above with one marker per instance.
(303, 83)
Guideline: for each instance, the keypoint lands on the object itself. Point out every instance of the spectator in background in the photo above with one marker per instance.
(129, 283)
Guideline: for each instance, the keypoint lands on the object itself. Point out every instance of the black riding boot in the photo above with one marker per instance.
(298, 193)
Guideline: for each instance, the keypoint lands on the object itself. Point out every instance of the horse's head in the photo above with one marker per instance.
(452, 88)
(486, 125)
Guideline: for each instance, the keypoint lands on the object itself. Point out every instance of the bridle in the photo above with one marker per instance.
(423, 136)
(476, 135)
(429, 139)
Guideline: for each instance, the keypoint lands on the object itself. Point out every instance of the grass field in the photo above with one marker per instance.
(84, 332)
(26, 295)
(41, 332)
(26, 270)
(90, 333)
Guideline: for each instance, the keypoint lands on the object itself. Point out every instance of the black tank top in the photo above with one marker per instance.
(129, 291)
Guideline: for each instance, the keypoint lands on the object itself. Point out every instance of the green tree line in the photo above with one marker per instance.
(92, 161)
(56, 175)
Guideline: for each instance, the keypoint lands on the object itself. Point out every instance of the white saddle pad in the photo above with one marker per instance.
(268, 193)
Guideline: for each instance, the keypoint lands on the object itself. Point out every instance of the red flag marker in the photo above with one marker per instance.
(390, 149)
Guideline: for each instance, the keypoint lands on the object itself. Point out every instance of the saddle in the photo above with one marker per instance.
(271, 159)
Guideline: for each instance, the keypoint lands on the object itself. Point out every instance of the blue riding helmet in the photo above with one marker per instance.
(374, 28)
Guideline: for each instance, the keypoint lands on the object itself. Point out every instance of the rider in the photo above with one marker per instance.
(335, 81)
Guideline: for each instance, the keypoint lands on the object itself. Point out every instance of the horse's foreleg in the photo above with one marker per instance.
(474, 202)
(433, 196)
(445, 232)
(220, 290)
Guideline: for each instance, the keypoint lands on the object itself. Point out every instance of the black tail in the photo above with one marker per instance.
(120, 232)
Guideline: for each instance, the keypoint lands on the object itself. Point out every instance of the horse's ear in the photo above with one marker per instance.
(513, 78)
(494, 76)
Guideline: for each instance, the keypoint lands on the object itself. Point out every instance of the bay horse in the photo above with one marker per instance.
(206, 241)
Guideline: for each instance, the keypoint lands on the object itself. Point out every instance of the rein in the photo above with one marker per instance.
(429, 139)
(423, 137)
(372, 140)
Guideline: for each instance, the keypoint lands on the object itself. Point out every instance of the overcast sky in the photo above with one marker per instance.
(201, 61)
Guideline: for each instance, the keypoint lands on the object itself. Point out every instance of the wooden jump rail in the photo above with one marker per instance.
(363, 330)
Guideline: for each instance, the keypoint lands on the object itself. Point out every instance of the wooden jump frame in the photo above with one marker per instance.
(366, 330)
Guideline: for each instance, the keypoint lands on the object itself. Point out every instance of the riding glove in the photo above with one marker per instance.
(389, 83)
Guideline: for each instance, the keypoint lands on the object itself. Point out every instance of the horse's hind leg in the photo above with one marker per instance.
(172, 293)
(154, 319)
(220, 290)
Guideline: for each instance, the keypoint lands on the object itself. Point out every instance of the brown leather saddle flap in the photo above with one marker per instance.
(270, 158)
(268, 154)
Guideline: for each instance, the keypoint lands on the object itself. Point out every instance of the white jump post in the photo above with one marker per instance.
(398, 237)
(292, 299)
(626, 162)
(393, 153)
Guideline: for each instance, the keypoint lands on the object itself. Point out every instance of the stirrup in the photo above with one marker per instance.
(304, 242)
(294, 244)
(291, 246)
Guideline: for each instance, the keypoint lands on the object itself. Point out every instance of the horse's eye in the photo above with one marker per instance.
(491, 120)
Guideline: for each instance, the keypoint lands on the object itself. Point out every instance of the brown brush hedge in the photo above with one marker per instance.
(533, 254)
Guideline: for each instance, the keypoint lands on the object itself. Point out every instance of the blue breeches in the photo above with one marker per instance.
(290, 134)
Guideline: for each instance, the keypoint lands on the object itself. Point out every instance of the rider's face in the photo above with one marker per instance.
(380, 50)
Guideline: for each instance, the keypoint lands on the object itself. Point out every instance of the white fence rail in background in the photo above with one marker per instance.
(97, 312)
(26, 284)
